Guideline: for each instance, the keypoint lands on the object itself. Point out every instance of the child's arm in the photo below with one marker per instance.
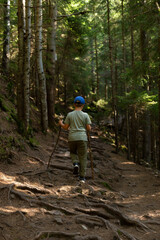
(88, 127)
(64, 126)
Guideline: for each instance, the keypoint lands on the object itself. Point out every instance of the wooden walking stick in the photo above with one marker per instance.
(90, 153)
(54, 147)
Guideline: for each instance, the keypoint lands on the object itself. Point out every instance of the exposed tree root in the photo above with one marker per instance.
(70, 236)
(88, 237)
(89, 220)
(42, 235)
(50, 207)
(33, 189)
(51, 169)
(36, 158)
(122, 217)
(93, 212)
(99, 221)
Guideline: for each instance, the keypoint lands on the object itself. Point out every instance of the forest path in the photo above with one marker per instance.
(121, 202)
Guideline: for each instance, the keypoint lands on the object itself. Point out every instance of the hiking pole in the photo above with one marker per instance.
(54, 147)
(90, 153)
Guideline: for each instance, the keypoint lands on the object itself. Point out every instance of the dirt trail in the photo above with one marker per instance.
(122, 202)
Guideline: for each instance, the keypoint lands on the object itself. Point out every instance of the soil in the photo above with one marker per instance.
(121, 202)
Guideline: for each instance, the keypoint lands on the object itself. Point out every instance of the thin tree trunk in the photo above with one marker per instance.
(97, 73)
(145, 58)
(112, 77)
(41, 74)
(20, 96)
(158, 163)
(6, 38)
(125, 88)
(27, 63)
(51, 61)
(92, 68)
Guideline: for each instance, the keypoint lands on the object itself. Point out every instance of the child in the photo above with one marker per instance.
(78, 123)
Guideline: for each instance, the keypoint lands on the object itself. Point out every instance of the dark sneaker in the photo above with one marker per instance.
(82, 179)
(76, 169)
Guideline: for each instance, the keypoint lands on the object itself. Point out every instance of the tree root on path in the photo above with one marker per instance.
(36, 158)
(46, 235)
(70, 236)
(50, 207)
(93, 212)
(104, 218)
(51, 169)
(12, 189)
(122, 217)
(99, 221)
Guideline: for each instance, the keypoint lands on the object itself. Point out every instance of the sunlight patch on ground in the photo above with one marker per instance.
(95, 137)
(127, 163)
(33, 162)
(29, 211)
(6, 178)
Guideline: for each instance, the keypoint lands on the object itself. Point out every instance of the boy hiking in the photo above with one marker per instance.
(78, 123)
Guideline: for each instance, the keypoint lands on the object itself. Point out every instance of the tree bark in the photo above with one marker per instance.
(51, 61)
(97, 73)
(144, 59)
(40, 68)
(158, 164)
(6, 37)
(114, 107)
(27, 62)
(20, 86)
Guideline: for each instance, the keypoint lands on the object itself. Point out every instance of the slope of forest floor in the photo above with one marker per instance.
(121, 202)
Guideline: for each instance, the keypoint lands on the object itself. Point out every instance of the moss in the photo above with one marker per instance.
(33, 142)
(106, 185)
(3, 106)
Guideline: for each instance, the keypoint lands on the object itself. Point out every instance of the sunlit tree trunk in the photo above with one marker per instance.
(51, 60)
(20, 86)
(27, 44)
(6, 37)
(40, 68)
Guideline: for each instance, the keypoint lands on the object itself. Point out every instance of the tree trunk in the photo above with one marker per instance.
(144, 59)
(114, 107)
(92, 67)
(97, 73)
(41, 74)
(6, 38)
(27, 63)
(20, 86)
(158, 163)
(125, 87)
(51, 61)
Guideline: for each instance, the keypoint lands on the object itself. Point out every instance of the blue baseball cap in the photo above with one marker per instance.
(79, 100)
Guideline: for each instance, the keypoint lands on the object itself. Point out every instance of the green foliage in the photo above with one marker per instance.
(141, 100)
(102, 104)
